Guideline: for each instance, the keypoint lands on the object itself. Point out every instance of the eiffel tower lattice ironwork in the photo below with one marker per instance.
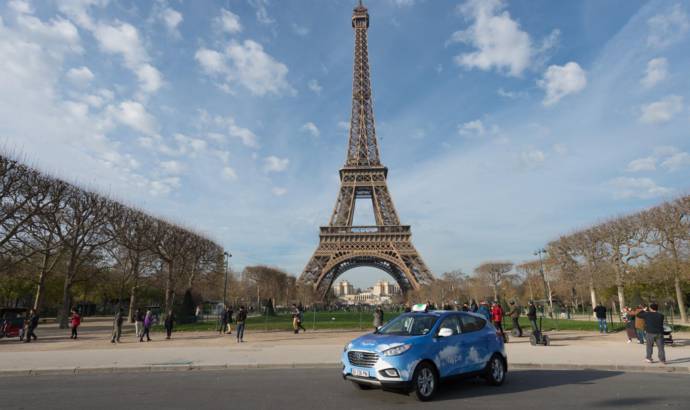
(387, 245)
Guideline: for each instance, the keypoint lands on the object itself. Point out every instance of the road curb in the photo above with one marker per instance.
(333, 365)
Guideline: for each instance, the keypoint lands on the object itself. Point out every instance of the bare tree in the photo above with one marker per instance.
(493, 274)
(170, 243)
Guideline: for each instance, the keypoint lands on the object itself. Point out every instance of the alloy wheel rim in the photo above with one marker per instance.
(425, 382)
(497, 370)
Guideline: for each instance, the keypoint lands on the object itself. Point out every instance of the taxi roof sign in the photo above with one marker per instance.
(420, 307)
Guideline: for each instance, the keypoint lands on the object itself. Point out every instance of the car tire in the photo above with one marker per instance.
(425, 381)
(495, 371)
(362, 386)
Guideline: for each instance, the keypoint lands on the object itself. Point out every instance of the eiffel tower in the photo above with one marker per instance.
(387, 245)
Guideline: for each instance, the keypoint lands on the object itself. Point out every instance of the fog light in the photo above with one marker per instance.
(391, 373)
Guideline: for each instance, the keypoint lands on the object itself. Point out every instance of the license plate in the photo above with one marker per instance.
(360, 373)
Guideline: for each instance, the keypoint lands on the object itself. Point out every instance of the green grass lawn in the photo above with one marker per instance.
(363, 321)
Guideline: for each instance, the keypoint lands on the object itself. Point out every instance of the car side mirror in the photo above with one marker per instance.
(445, 332)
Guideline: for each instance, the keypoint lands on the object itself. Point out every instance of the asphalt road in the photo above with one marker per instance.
(307, 389)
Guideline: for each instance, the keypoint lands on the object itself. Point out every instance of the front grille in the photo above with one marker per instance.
(362, 359)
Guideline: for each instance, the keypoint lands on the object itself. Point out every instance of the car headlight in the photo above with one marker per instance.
(394, 351)
(347, 347)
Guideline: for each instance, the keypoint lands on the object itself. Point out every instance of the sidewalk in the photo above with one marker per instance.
(55, 353)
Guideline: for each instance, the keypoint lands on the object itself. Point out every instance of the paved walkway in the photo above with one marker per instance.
(54, 352)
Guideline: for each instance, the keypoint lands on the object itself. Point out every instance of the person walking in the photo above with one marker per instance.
(74, 322)
(514, 314)
(169, 323)
(229, 318)
(378, 317)
(139, 323)
(600, 312)
(31, 326)
(241, 318)
(629, 319)
(300, 318)
(484, 310)
(639, 324)
(654, 328)
(295, 318)
(473, 306)
(497, 318)
(532, 316)
(197, 314)
(148, 322)
(223, 320)
(117, 326)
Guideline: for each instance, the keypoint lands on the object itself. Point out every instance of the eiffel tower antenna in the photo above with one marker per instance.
(388, 244)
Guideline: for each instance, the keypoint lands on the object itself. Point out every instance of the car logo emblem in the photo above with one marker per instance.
(358, 356)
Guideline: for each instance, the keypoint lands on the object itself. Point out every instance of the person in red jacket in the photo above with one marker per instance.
(74, 322)
(497, 317)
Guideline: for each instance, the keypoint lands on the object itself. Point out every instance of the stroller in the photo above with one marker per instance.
(668, 335)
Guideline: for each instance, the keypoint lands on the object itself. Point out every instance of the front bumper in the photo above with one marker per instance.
(383, 384)
(404, 364)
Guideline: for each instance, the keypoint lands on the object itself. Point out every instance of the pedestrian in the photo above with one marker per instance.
(465, 307)
(378, 317)
(629, 319)
(514, 314)
(532, 316)
(169, 323)
(198, 313)
(139, 323)
(600, 312)
(295, 318)
(241, 318)
(229, 318)
(497, 317)
(654, 328)
(300, 317)
(473, 306)
(484, 310)
(74, 322)
(117, 326)
(148, 322)
(639, 324)
(31, 326)
(407, 308)
(223, 320)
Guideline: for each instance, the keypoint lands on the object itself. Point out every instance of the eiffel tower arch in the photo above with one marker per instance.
(386, 245)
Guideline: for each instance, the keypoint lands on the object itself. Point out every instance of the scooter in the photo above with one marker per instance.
(537, 337)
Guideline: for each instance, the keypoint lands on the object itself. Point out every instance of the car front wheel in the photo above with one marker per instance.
(495, 372)
(425, 382)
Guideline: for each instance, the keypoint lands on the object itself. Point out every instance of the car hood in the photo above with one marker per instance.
(374, 342)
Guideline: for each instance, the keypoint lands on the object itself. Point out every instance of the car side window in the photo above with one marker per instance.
(472, 323)
(452, 323)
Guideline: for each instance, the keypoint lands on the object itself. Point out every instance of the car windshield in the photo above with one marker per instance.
(409, 325)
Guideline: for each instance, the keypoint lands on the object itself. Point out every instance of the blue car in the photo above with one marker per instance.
(416, 350)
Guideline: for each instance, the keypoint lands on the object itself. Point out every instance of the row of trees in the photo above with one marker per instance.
(642, 256)
(52, 229)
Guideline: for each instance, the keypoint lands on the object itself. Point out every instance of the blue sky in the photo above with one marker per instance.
(503, 123)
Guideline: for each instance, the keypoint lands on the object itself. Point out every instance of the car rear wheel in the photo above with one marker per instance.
(495, 372)
(425, 382)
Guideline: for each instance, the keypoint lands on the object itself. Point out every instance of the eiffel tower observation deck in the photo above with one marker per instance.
(388, 244)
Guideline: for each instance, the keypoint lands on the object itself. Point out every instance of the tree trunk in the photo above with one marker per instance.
(681, 302)
(132, 304)
(621, 296)
(592, 295)
(40, 288)
(169, 287)
(63, 313)
(495, 293)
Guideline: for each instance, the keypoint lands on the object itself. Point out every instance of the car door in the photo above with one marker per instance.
(474, 345)
(448, 354)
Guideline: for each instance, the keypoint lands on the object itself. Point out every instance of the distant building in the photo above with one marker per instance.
(380, 293)
(344, 288)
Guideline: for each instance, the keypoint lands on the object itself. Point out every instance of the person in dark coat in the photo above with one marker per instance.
(223, 321)
(117, 326)
(600, 312)
(514, 314)
(169, 323)
(654, 332)
(378, 317)
(241, 318)
(532, 316)
(31, 326)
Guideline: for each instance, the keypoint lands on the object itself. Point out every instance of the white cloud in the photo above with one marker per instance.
(261, 7)
(248, 65)
(149, 78)
(299, 30)
(642, 164)
(81, 76)
(172, 18)
(164, 186)
(500, 42)
(171, 167)
(229, 21)
(532, 158)
(275, 164)
(662, 110)
(134, 115)
(473, 128)
(657, 70)
(676, 161)
(228, 173)
(314, 86)
(641, 188)
(404, 3)
(311, 129)
(228, 124)
(21, 6)
(560, 149)
(278, 191)
(668, 28)
(560, 81)
(513, 95)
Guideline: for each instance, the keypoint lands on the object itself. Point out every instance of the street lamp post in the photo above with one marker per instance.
(225, 288)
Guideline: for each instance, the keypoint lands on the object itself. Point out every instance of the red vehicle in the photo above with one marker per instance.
(11, 321)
